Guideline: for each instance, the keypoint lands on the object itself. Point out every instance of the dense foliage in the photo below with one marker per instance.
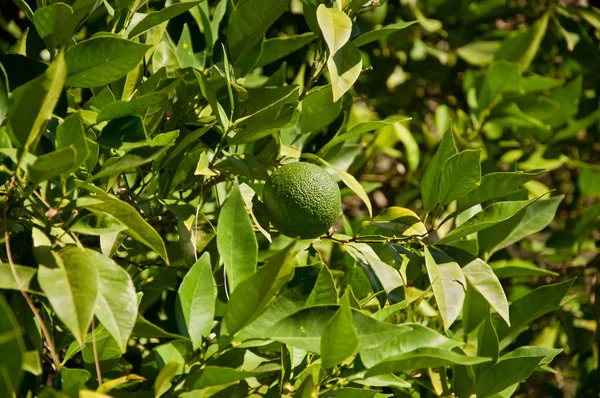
(137, 257)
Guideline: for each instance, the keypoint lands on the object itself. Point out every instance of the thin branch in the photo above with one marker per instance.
(96, 359)
(37, 194)
(37, 315)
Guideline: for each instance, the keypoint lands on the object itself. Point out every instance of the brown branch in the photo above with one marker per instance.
(45, 331)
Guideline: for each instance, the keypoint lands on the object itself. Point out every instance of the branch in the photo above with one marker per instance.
(45, 331)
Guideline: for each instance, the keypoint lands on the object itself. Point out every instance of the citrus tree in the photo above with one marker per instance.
(253, 198)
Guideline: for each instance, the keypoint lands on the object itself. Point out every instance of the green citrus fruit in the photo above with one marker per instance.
(302, 200)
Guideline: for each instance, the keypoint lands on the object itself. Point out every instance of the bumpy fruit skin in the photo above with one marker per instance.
(302, 200)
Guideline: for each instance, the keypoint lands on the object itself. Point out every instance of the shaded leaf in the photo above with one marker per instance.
(505, 373)
(31, 105)
(339, 339)
(531, 306)
(254, 294)
(138, 228)
(12, 348)
(495, 185)
(423, 358)
(381, 33)
(344, 68)
(249, 21)
(429, 187)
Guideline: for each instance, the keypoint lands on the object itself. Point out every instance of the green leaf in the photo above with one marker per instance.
(381, 274)
(138, 228)
(359, 130)
(73, 380)
(304, 328)
(384, 380)
(52, 164)
(487, 344)
(537, 216)
(533, 305)
(145, 328)
(318, 111)
(381, 33)
(71, 285)
(339, 339)
(488, 217)
(12, 348)
(26, 275)
(496, 185)
(31, 105)
(481, 276)
(353, 184)
(429, 187)
(324, 291)
(97, 224)
(413, 337)
(459, 175)
(515, 268)
(422, 358)
(448, 282)
(284, 305)
(589, 181)
(136, 106)
(101, 60)
(504, 374)
(185, 50)
(125, 163)
(249, 21)
(216, 376)
(196, 298)
(411, 147)
(55, 24)
(4, 91)
(478, 53)
(265, 111)
(547, 353)
(236, 240)
(523, 46)
(155, 18)
(209, 93)
(116, 304)
(162, 383)
(401, 221)
(71, 133)
(501, 78)
(279, 47)
(344, 68)
(475, 310)
(307, 389)
(336, 28)
(254, 294)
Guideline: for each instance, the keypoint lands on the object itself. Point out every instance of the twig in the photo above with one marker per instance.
(37, 315)
(37, 194)
(96, 360)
